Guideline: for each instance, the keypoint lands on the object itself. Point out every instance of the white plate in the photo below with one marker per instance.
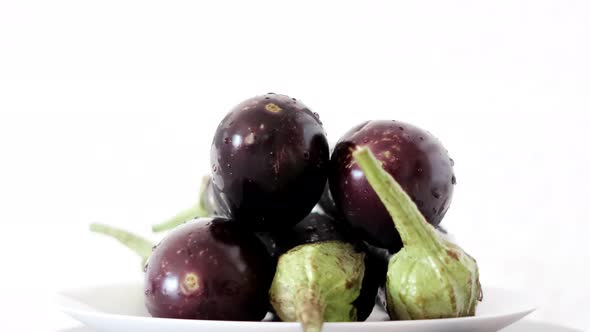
(119, 307)
(521, 326)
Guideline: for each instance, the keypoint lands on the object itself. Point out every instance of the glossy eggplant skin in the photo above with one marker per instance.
(210, 268)
(318, 227)
(269, 161)
(413, 156)
(327, 204)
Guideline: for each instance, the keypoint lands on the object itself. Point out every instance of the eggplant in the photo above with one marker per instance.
(269, 162)
(413, 156)
(210, 268)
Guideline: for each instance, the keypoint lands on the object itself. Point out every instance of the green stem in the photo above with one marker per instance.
(409, 221)
(137, 244)
(310, 312)
(196, 211)
(180, 218)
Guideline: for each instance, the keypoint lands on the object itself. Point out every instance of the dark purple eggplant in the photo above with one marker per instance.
(269, 161)
(332, 255)
(413, 156)
(210, 268)
(269, 242)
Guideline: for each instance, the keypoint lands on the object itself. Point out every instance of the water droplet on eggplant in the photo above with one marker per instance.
(435, 193)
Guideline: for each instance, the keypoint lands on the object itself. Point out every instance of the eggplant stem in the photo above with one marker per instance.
(180, 218)
(139, 245)
(409, 221)
(310, 313)
(196, 211)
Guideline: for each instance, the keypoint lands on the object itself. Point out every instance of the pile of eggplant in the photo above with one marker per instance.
(288, 225)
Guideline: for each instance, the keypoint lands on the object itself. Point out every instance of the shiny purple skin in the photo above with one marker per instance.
(413, 156)
(327, 204)
(210, 268)
(269, 161)
(314, 228)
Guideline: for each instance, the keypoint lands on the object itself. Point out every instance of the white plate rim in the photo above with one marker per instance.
(64, 301)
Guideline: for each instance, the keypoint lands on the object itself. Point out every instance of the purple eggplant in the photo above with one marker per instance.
(269, 161)
(413, 156)
(210, 268)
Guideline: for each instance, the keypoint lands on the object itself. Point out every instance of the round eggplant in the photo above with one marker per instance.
(269, 161)
(211, 268)
(413, 156)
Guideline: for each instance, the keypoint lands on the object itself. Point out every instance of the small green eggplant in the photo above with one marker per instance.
(429, 277)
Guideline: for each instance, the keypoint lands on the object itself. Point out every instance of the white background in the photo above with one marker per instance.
(107, 109)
